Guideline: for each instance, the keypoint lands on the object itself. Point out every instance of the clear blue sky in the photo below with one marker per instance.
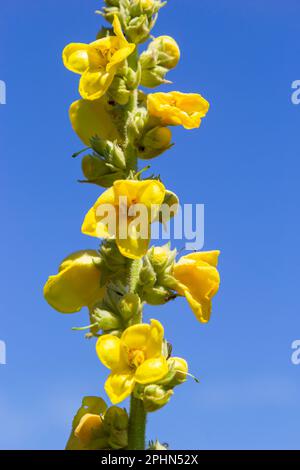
(243, 164)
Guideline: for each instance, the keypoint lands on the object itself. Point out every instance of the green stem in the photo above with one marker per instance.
(137, 415)
(133, 275)
(137, 425)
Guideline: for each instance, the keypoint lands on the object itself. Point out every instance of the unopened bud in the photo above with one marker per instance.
(136, 123)
(129, 306)
(106, 320)
(153, 76)
(156, 295)
(178, 370)
(133, 77)
(147, 274)
(168, 51)
(155, 397)
(138, 29)
(155, 142)
(111, 152)
(93, 167)
(118, 91)
(161, 257)
(161, 56)
(116, 427)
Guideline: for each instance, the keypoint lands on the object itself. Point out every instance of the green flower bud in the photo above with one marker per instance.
(99, 172)
(153, 76)
(162, 55)
(155, 397)
(115, 418)
(147, 274)
(156, 295)
(138, 29)
(119, 92)
(110, 151)
(110, 11)
(93, 167)
(161, 257)
(133, 77)
(129, 306)
(167, 50)
(116, 427)
(178, 370)
(155, 142)
(137, 122)
(106, 320)
(113, 264)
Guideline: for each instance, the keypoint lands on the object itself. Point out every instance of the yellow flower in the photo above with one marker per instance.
(175, 108)
(198, 280)
(136, 357)
(92, 118)
(77, 283)
(89, 425)
(127, 198)
(98, 61)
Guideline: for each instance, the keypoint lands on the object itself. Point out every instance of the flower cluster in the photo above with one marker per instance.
(120, 124)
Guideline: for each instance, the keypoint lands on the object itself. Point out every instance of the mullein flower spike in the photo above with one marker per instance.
(119, 124)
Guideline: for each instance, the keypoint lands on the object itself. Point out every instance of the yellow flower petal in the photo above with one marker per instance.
(87, 427)
(90, 119)
(147, 192)
(94, 84)
(77, 284)
(210, 257)
(119, 386)
(136, 336)
(201, 309)
(155, 339)
(110, 353)
(75, 57)
(118, 28)
(134, 246)
(152, 370)
(92, 224)
(119, 56)
(151, 192)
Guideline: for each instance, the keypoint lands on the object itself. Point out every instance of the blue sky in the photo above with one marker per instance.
(243, 164)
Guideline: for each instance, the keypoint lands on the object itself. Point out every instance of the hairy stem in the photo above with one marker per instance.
(133, 275)
(137, 415)
(137, 425)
